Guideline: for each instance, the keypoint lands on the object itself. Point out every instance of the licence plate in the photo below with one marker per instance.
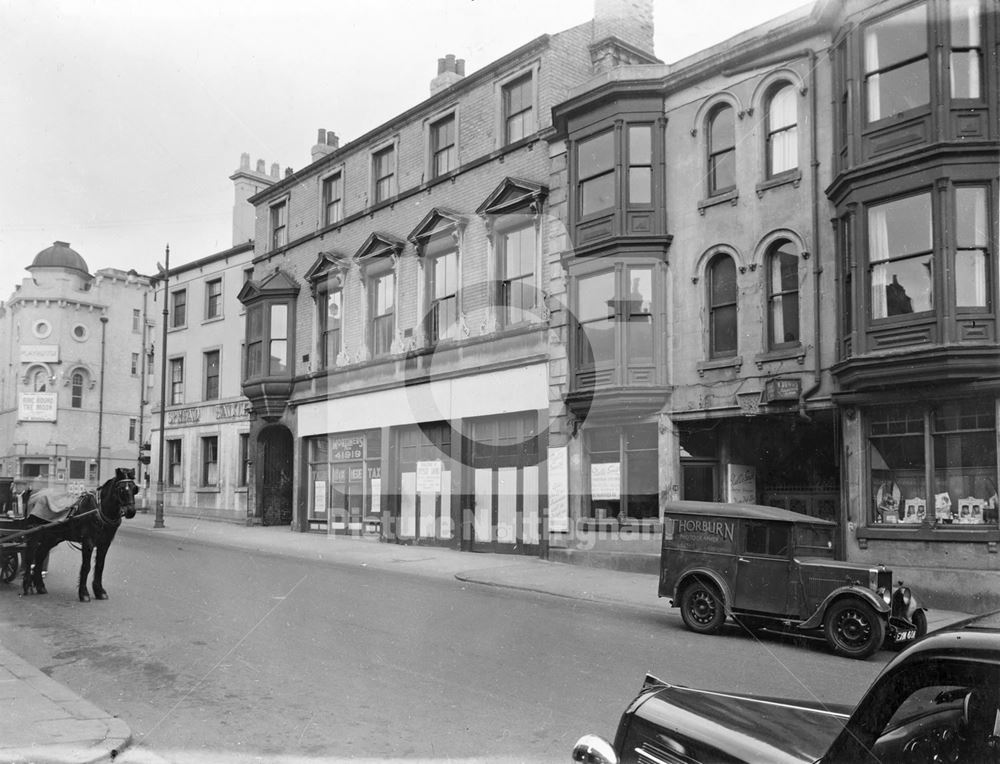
(905, 636)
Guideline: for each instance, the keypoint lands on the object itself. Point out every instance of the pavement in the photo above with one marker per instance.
(46, 723)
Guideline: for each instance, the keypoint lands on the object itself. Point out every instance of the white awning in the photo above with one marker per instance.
(499, 392)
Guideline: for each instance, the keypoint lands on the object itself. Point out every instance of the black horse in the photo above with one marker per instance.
(92, 523)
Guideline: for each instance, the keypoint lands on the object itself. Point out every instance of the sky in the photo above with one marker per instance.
(121, 121)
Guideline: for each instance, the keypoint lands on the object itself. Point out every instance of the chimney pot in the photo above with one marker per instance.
(332, 139)
(321, 136)
(275, 169)
(244, 161)
(260, 166)
(440, 66)
(460, 67)
(288, 172)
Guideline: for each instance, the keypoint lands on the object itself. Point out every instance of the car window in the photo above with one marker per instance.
(814, 541)
(927, 700)
(764, 538)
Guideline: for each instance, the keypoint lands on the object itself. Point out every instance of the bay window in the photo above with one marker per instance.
(640, 164)
(615, 337)
(966, 55)
(900, 253)
(971, 237)
(596, 174)
(896, 64)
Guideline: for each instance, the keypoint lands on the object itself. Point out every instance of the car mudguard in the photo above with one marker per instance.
(711, 575)
(816, 619)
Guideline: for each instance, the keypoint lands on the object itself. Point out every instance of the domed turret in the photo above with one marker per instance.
(59, 255)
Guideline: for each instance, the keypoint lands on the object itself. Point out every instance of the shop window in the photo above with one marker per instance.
(623, 472)
(518, 97)
(176, 381)
(782, 295)
(900, 251)
(442, 288)
(516, 255)
(212, 375)
(77, 469)
(329, 306)
(721, 150)
(722, 304)
(210, 461)
(782, 131)
(174, 463)
(896, 64)
(958, 463)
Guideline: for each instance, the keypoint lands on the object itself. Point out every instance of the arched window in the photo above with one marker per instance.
(722, 295)
(76, 391)
(782, 295)
(39, 381)
(782, 131)
(721, 150)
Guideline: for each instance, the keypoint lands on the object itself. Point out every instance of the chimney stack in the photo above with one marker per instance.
(247, 183)
(326, 143)
(450, 71)
(631, 21)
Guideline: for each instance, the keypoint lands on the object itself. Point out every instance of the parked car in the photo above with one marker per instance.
(937, 701)
(769, 568)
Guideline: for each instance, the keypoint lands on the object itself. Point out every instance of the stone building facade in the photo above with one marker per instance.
(397, 321)
(73, 373)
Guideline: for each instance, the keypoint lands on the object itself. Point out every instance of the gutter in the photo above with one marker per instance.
(817, 264)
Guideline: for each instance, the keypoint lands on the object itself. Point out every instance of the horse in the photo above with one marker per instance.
(92, 523)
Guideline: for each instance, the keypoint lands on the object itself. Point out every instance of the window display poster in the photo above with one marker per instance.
(558, 490)
(605, 481)
(376, 496)
(741, 484)
(319, 497)
(429, 476)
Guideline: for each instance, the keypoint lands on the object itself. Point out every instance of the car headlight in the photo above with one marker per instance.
(884, 594)
(901, 599)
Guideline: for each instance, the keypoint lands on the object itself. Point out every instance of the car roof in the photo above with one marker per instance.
(747, 511)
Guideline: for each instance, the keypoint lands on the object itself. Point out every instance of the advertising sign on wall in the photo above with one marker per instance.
(741, 484)
(39, 354)
(37, 407)
(558, 490)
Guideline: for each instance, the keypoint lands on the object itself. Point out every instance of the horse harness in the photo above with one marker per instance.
(128, 484)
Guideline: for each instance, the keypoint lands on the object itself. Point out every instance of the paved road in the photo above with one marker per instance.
(218, 654)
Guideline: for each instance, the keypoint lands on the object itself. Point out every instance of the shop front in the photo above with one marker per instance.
(922, 482)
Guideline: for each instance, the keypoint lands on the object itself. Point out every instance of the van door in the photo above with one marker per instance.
(763, 568)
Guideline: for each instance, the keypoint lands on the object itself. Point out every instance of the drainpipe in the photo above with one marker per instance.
(817, 263)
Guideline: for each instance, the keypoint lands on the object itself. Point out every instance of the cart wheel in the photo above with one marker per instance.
(702, 608)
(10, 563)
(853, 628)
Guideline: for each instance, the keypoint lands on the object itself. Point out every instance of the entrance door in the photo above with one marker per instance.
(504, 458)
(348, 509)
(425, 484)
(275, 448)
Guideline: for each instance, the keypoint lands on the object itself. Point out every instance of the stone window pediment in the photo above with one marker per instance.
(330, 268)
(275, 284)
(436, 223)
(513, 195)
(377, 248)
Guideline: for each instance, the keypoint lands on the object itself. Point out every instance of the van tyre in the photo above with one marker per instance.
(853, 628)
(702, 607)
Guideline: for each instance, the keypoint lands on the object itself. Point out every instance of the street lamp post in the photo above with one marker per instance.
(100, 400)
(158, 518)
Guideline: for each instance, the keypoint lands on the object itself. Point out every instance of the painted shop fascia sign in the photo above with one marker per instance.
(39, 354)
(219, 413)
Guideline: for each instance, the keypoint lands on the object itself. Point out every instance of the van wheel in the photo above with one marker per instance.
(702, 608)
(920, 621)
(853, 628)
